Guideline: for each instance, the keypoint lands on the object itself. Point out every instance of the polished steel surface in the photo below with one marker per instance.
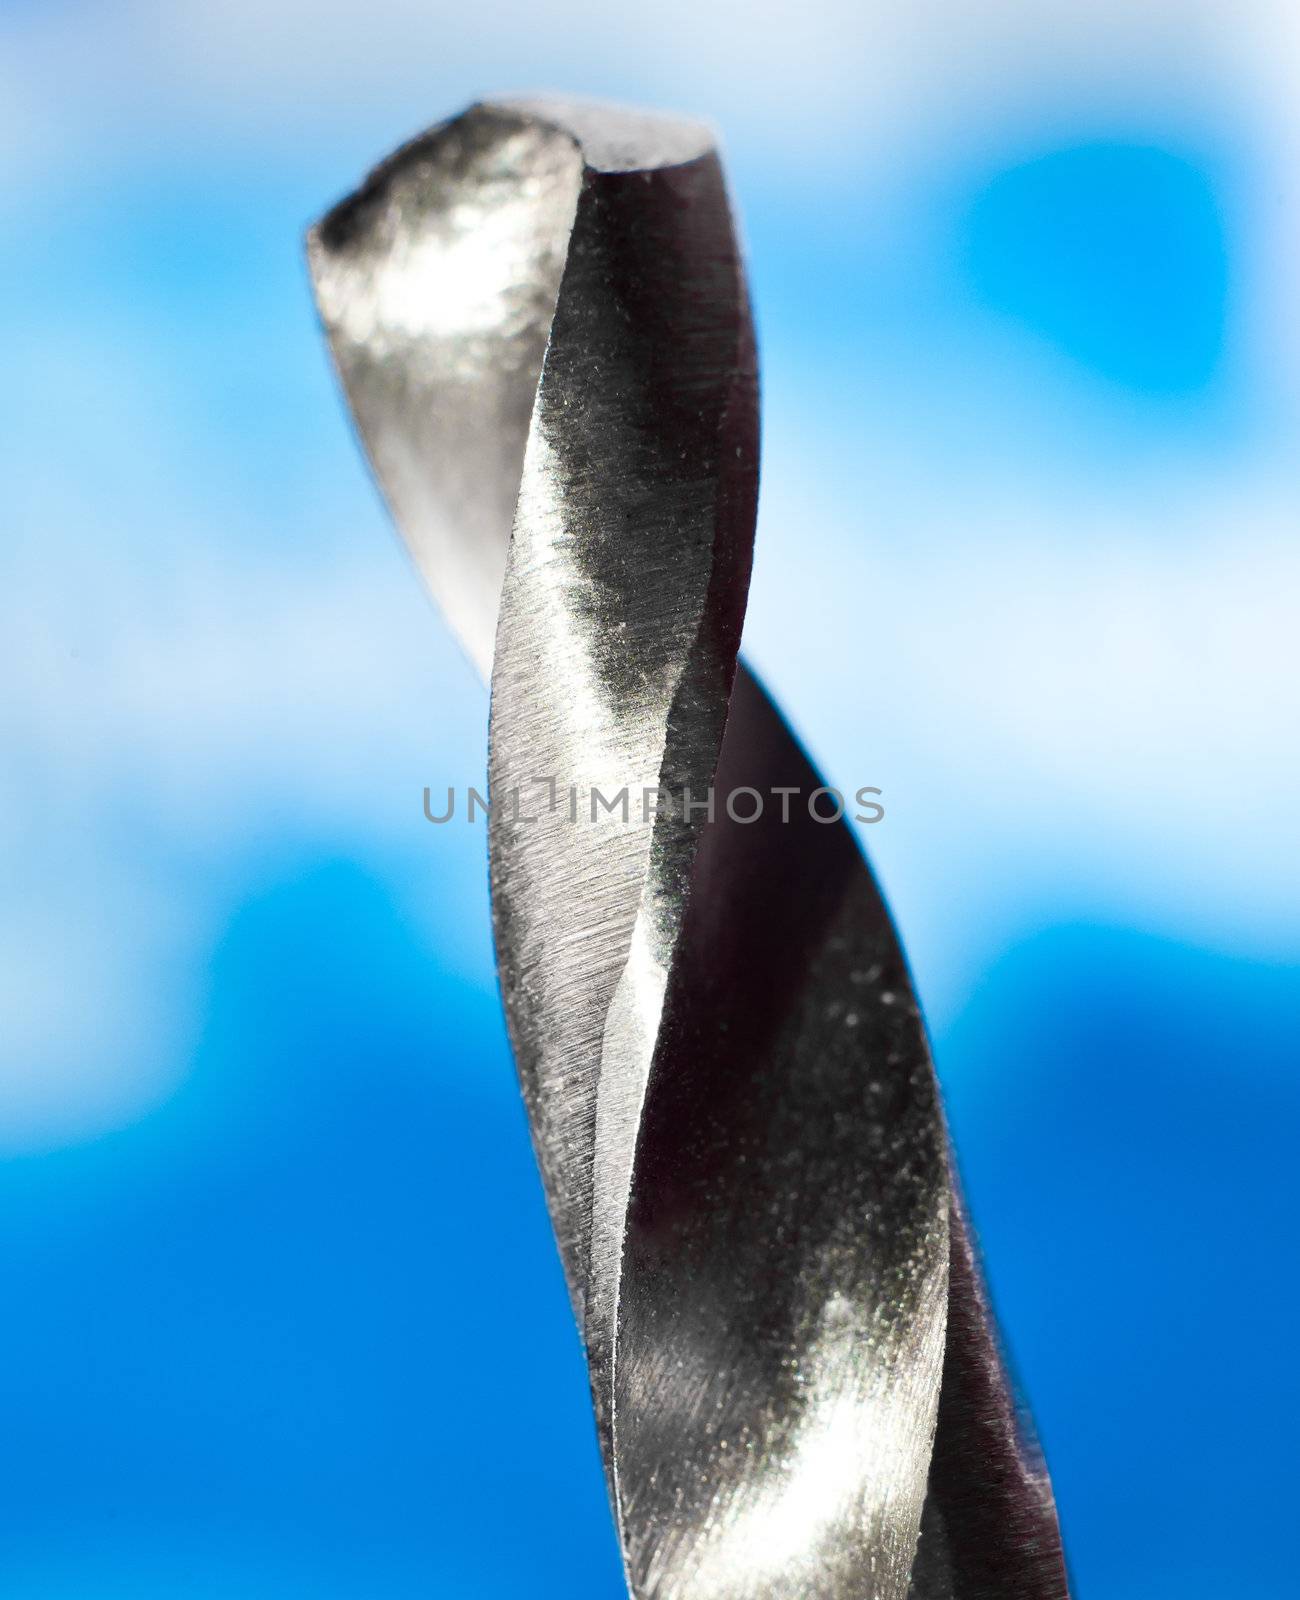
(539, 315)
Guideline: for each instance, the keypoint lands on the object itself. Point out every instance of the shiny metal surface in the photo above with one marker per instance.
(539, 314)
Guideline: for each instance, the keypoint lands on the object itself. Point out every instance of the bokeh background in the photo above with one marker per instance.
(281, 1317)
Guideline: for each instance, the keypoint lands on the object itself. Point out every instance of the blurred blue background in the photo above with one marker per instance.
(281, 1313)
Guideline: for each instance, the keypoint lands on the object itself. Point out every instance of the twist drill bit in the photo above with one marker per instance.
(539, 314)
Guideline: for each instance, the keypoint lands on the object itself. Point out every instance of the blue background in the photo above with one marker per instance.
(282, 1315)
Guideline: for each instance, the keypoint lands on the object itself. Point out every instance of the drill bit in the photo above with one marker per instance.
(539, 315)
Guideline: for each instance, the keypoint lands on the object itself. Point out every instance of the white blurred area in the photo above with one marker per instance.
(1071, 668)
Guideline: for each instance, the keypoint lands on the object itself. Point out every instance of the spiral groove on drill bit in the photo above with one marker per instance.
(539, 314)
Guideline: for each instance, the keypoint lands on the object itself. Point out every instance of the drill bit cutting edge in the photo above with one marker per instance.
(539, 315)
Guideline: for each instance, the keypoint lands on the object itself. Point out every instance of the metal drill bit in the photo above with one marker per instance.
(539, 314)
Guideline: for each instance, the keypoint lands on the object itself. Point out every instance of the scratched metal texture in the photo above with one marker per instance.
(539, 315)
